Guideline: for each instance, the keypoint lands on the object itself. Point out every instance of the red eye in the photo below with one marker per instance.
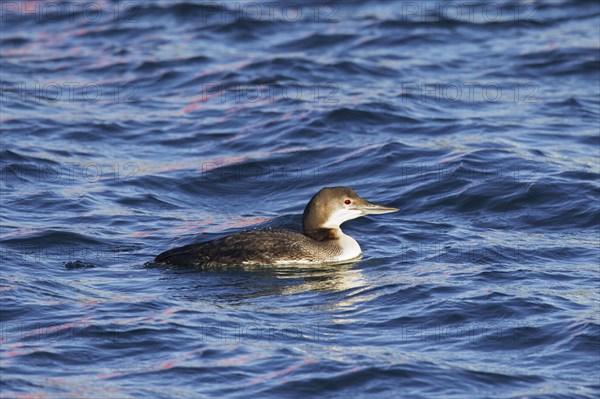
(347, 202)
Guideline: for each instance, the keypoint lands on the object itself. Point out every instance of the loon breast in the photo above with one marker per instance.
(349, 248)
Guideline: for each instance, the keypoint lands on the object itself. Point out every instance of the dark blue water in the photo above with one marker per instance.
(132, 127)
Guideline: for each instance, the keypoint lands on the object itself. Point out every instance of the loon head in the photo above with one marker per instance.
(332, 206)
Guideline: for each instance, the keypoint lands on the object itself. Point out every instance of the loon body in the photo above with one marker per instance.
(320, 241)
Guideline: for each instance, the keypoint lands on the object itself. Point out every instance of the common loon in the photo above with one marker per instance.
(321, 239)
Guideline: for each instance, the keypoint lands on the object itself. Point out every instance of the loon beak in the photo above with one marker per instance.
(369, 208)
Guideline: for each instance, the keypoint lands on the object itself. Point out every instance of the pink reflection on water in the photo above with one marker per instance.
(280, 373)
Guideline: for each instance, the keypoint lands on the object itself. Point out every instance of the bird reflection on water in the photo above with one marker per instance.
(246, 282)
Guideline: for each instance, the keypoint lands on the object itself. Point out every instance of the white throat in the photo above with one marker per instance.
(340, 216)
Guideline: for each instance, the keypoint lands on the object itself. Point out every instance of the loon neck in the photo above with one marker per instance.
(324, 234)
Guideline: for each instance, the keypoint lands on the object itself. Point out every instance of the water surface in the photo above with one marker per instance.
(130, 128)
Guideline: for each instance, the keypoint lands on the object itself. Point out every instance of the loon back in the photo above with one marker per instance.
(258, 247)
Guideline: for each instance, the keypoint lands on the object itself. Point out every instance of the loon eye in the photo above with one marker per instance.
(347, 202)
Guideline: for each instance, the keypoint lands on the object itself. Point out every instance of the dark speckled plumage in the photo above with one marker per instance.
(253, 247)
